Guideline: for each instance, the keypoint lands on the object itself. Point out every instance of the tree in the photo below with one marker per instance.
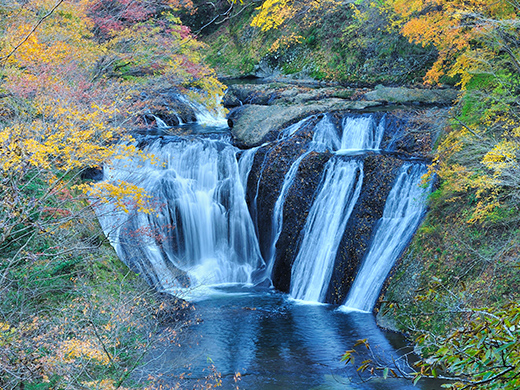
(477, 43)
(71, 76)
(481, 354)
(468, 244)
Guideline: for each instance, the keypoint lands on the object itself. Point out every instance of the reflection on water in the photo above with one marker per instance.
(275, 343)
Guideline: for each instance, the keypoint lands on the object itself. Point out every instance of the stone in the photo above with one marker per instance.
(404, 95)
(252, 123)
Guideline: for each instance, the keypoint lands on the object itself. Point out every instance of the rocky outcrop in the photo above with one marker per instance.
(253, 123)
(259, 109)
(402, 95)
(269, 94)
(167, 106)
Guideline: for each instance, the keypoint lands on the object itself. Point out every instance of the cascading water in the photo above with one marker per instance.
(160, 123)
(324, 228)
(204, 116)
(334, 203)
(324, 133)
(278, 210)
(202, 225)
(202, 232)
(245, 164)
(403, 211)
(362, 133)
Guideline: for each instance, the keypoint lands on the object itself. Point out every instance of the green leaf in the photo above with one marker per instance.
(505, 346)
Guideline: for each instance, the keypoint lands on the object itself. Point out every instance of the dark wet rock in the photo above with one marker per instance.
(169, 106)
(296, 208)
(262, 94)
(92, 173)
(172, 309)
(380, 171)
(420, 132)
(276, 162)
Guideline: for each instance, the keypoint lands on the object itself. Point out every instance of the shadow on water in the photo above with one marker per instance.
(274, 343)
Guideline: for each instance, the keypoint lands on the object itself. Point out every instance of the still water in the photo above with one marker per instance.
(275, 343)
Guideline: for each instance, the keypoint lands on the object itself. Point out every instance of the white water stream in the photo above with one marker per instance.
(202, 233)
(202, 225)
(338, 194)
(404, 209)
(324, 228)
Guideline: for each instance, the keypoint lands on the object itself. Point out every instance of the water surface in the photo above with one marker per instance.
(276, 344)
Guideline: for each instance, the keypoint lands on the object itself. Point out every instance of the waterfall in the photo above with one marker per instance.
(326, 135)
(160, 123)
(245, 164)
(324, 228)
(312, 268)
(201, 225)
(290, 130)
(404, 209)
(202, 231)
(356, 133)
(203, 115)
(362, 133)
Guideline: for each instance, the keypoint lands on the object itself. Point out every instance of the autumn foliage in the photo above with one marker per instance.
(477, 43)
(469, 242)
(72, 73)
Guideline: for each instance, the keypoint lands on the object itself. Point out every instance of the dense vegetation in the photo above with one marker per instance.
(302, 38)
(466, 252)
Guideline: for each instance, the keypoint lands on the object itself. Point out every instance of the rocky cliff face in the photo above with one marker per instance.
(409, 134)
(259, 110)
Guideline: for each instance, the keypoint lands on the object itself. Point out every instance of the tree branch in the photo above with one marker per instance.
(5, 58)
(467, 128)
